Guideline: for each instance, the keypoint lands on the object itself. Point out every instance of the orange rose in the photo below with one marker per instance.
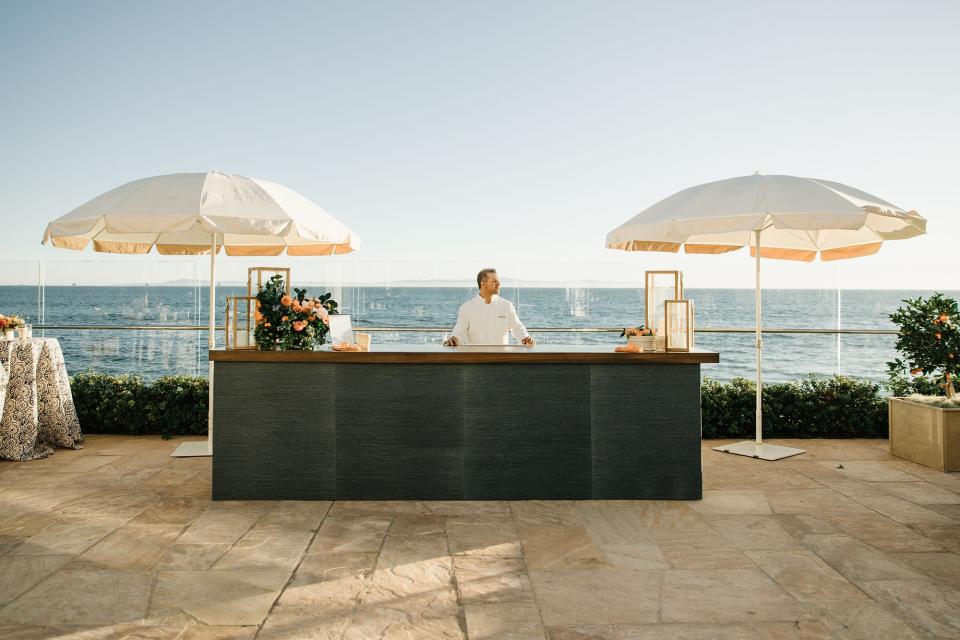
(299, 325)
(258, 316)
(285, 318)
(915, 371)
(938, 336)
(286, 301)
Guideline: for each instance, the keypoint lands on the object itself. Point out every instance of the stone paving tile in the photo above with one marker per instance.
(486, 538)
(803, 630)
(218, 526)
(905, 512)
(69, 535)
(19, 573)
(172, 511)
(725, 595)
(884, 534)
(396, 623)
(941, 567)
(753, 533)
(806, 577)
(862, 622)
(636, 557)
(545, 513)
(732, 502)
(856, 561)
(77, 597)
(815, 502)
(504, 621)
(404, 525)
(591, 597)
(360, 532)
(264, 550)
(330, 582)
(129, 548)
(921, 492)
(492, 579)
(597, 569)
(869, 471)
(190, 557)
(303, 623)
(215, 597)
(699, 551)
(607, 524)
(922, 603)
(560, 548)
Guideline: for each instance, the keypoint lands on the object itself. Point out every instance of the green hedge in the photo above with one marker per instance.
(835, 407)
(169, 406)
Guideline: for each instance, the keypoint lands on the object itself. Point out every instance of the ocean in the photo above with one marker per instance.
(152, 353)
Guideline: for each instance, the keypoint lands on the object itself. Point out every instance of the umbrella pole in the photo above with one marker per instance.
(756, 448)
(205, 448)
(759, 343)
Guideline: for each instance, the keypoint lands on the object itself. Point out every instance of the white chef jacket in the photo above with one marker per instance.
(482, 323)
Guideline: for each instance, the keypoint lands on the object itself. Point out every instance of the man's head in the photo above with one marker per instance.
(488, 282)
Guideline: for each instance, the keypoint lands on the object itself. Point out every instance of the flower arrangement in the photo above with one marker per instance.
(287, 322)
(630, 332)
(929, 338)
(11, 322)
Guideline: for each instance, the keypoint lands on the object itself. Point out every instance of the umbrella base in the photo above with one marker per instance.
(763, 451)
(192, 450)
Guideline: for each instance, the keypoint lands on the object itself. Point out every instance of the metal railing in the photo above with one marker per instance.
(180, 327)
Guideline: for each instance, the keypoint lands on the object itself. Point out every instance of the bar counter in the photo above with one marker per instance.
(417, 422)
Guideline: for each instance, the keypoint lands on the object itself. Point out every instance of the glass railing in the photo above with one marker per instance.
(149, 317)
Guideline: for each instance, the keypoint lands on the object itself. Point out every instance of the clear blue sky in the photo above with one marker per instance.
(490, 132)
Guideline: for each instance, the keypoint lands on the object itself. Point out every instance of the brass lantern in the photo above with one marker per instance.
(658, 287)
(678, 325)
(239, 322)
(258, 276)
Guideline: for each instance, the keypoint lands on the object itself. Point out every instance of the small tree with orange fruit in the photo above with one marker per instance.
(928, 338)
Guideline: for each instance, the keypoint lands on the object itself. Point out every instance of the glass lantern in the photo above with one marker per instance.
(239, 322)
(258, 276)
(678, 325)
(660, 286)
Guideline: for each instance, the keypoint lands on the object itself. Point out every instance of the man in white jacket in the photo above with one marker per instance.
(487, 318)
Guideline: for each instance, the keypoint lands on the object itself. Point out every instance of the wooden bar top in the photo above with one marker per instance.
(434, 354)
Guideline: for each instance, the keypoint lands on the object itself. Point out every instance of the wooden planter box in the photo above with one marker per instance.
(926, 435)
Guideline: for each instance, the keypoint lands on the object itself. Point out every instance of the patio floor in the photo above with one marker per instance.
(120, 540)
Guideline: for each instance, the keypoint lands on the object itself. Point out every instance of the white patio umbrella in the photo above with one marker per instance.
(795, 218)
(198, 213)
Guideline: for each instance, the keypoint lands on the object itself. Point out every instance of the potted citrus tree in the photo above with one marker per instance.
(925, 407)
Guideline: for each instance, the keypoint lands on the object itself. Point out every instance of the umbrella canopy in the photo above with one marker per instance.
(197, 213)
(782, 217)
(179, 213)
(799, 217)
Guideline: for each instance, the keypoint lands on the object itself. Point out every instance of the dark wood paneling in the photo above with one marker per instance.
(646, 432)
(526, 432)
(399, 432)
(274, 432)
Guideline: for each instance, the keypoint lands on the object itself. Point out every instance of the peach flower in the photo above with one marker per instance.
(299, 325)
(285, 318)
(286, 300)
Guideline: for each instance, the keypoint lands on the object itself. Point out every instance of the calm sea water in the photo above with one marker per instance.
(786, 357)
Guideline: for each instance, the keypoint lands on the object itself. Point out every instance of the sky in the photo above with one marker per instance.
(456, 135)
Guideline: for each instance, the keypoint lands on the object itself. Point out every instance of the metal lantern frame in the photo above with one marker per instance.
(232, 322)
(650, 315)
(687, 331)
(260, 272)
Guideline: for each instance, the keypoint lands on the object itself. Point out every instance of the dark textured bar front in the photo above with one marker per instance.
(466, 423)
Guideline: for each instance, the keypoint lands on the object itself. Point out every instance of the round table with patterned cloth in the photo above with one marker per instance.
(36, 406)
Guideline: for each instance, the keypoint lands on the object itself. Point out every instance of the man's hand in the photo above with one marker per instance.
(452, 342)
(528, 341)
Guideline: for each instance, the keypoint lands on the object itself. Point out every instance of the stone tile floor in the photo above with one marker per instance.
(119, 540)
